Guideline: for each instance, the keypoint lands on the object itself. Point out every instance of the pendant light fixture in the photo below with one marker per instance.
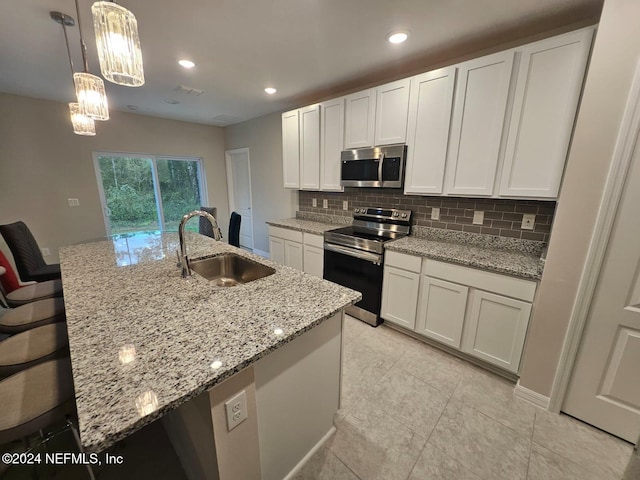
(118, 44)
(89, 88)
(82, 125)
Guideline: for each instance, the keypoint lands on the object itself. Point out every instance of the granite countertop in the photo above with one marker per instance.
(305, 225)
(519, 258)
(143, 340)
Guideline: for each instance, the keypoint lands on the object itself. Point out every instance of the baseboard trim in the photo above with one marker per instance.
(530, 396)
(262, 253)
(309, 454)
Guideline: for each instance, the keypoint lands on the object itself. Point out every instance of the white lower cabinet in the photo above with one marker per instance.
(293, 254)
(449, 303)
(496, 328)
(441, 310)
(400, 296)
(303, 252)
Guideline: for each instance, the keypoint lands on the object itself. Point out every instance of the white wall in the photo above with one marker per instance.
(615, 54)
(263, 137)
(43, 163)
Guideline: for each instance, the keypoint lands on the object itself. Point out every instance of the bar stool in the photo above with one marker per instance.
(15, 294)
(32, 347)
(31, 315)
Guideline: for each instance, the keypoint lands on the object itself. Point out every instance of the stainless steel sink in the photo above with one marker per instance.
(229, 269)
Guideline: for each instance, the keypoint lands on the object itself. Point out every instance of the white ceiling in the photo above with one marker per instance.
(304, 48)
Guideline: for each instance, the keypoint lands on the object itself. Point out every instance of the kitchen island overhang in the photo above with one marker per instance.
(144, 341)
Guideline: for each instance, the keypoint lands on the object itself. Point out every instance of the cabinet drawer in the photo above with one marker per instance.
(313, 240)
(402, 260)
(488, 281)
(286, 234)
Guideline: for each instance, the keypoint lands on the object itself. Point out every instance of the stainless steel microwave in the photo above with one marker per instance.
(381, 167)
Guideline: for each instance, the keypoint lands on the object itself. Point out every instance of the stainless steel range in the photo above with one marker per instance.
(353, 256)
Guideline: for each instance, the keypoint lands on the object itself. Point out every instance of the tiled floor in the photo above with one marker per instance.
(413, 412)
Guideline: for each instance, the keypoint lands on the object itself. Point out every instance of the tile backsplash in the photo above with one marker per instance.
(502, 217)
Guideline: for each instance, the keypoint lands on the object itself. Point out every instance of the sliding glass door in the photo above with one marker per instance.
(143, 193)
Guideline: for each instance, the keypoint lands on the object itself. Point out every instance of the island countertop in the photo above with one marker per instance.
(143, 340)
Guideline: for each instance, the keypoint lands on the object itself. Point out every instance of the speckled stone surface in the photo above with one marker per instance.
(341, 220)
(509, 256)
(311, 223)
(143, 340)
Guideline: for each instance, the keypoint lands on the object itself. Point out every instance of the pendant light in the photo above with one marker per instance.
(89, 88)
(118, 44)
(82, 125)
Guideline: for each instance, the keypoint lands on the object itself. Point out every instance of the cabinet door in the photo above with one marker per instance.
(360, 111)
(546, 99)
(293, 254)
(313, 261)
(400, 296)
(291, 149)
(441, 310)
(392, 106)
(478, 120)
(276, 249)
(430, 107)
(331, 143)
(310, 148)
(495, 329)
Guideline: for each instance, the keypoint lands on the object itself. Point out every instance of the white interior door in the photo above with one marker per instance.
(605, 389)
(239, 186)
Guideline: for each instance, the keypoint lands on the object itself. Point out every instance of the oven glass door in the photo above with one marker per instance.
(357, 274)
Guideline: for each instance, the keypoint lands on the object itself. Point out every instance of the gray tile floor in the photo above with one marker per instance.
(410, 411)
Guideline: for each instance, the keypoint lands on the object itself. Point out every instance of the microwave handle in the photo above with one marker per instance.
(380, 162)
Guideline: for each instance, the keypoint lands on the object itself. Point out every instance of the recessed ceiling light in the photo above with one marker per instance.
(270, 90)
(397, 37)
(186, 63)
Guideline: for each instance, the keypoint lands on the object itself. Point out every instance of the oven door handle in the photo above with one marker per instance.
(370, 257)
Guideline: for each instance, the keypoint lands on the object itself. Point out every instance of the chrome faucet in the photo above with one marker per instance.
(182, 255)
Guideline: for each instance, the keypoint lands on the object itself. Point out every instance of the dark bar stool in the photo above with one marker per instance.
(27, 255)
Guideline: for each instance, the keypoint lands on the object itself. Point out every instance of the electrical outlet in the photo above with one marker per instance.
(314, 202)
(435, 213)
(46, 252)
(478, 217)
(73, 202)
(236, 409)
(528, 221)
(325, 203)
(345, 204)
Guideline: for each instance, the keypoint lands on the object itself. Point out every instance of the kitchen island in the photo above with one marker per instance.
(145, 342)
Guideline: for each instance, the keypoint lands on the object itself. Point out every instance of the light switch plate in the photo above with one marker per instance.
(325, 203)
(478, 217)
(345, 204)
(314, 202)
(73, 202)
(435, 213)
(528, 221)
(236, 409)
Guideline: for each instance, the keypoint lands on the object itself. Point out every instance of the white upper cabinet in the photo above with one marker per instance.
(310, 147)
(392, 103)
(291, 149)
(360, 112)
(331, 143)
(430, 107)
(548, 89)
(477, 124)
(377, 116)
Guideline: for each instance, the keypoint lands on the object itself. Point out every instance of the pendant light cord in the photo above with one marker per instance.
(83, 46)
(66, 41)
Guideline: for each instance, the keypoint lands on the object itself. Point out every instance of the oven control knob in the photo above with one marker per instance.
(404, 215)
(395, 214)
(356, 210)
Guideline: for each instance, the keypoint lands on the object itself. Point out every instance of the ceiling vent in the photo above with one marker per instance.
(222, 120)
(188, 90)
